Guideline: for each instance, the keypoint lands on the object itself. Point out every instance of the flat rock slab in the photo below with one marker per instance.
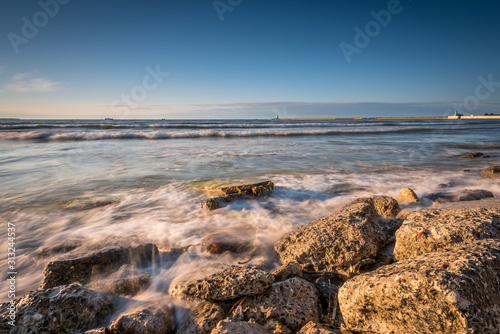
(201, 319)
(229, 282)
(84, 268)
(292, 303)
(453, 291)
(238, 327)
(155, 319)
(65, 309)
(336, 241)
(429, 230)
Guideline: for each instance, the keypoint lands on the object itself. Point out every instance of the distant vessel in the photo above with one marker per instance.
(108, 119)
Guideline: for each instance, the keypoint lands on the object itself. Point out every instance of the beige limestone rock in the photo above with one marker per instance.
(230, 327)
(155, 319)
(407, 196)
(385, 206)
(201, 319)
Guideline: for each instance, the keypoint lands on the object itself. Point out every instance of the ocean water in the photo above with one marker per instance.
(147, 171)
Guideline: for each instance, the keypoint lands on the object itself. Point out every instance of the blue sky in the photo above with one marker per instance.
(248, 59)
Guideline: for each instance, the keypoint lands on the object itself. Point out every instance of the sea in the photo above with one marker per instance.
(72, 187)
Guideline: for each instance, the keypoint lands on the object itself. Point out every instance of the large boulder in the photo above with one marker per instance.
(429, 230)
(233, 327)
(292, 303)
(338, 240)
(385, 206)
(407, 196)
(228, 282)
(70, 308)
(220, 242)
(84, 268)
(155, 319)
(453, 291)
(491, 172)
(201, 319)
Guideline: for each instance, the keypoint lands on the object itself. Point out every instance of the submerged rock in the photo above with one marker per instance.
(228, 194)
(151, 320)
(218, 202)
(453, 291)
(491, 172)
(70, 308)
(472, 195)
(339, 240)
(230, 327)
(385, 206)
(220, 242)
(430, 230)
(123, 282)
(84, 268)
(229, 282)
(292, 303)
(89, 203)
(201, 319)
(407, 196)
(474, 155)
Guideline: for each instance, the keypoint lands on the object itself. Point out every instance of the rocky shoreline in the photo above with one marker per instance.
(428, 264)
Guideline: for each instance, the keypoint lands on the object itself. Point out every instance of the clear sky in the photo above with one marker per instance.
(248, 58)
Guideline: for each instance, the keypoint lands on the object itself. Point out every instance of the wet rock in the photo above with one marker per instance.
(338, 240)
(385, 206)
(151, 320)
(472, 195)
(474, 155)
(84, 268)
(218, 243)
(201, 319)
(292, 303)
(228, 282)
(287, 271)
(452, 291)
(230, 327)
(430, 230)
(231, 193)
(218, 202)
(314, 328)
(123, 282)
(491, 172)
(407, 196)
(89, 203)
(66, 308)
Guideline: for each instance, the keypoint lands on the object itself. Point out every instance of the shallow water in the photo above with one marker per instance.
(146, 172)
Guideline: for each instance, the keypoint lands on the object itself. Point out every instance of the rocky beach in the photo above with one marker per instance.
(254, 227)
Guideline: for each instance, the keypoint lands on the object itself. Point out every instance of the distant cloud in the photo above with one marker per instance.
(26, 82)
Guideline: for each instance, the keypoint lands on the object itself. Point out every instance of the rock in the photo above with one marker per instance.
(328, 287)
(338, 240)
(314, 328)
(430, 230)
(491, 172)
(230, 327)
(472, 195)
(441, 197)
(452, 291)
(218, 202)
(123, 282)
(287, 271)
(66, 308)
(292, 303)
(407, 196)
(474, 155)
(89, 203)
(83, 269)
(151, 320)
(220, 242)
(385, 206)
(229, 282)
(231, 193)
(102, 330)
(201, 319)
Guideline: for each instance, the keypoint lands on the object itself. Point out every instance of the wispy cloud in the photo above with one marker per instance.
(27, 82)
